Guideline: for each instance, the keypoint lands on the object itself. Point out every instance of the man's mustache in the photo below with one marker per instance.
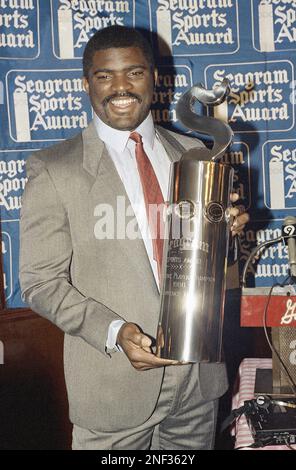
(121, 95)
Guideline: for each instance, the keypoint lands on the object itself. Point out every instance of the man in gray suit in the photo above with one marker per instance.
(102, 288)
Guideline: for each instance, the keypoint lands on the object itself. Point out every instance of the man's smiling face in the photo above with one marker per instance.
(120, 85)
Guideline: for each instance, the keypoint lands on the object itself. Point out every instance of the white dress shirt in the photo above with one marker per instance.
(122, 152)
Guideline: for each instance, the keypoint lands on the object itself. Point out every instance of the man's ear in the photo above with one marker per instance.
(85, 84)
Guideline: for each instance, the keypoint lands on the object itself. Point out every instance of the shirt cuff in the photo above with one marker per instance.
(113, 330)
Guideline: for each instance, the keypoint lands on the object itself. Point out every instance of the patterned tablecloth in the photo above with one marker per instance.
(245, 391)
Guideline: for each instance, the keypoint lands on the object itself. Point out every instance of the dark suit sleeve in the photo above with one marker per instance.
(45, 259)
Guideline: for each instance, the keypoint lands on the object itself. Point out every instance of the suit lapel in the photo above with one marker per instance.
(97, 162)
(92, 150)
(172, 147)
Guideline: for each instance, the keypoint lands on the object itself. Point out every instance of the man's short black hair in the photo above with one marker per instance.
(115, 36)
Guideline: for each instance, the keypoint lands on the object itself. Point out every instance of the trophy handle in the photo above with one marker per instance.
(221, 132)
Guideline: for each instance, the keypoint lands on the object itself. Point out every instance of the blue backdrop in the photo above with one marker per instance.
(252, 42)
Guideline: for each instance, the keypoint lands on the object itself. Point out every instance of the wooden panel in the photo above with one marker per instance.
(33, 401)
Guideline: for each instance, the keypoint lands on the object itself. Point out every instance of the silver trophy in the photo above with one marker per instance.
(196, 239)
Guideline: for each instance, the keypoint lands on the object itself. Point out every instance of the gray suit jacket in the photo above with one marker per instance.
(81, 283)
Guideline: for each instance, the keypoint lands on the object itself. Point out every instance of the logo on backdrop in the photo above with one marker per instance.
(73, 23)
(260, 95)
(239, 158)
(170, 85)
(19, 26)
(46, 105)
(195, 28)
(12, 181)
(7, 264)
(274, 25)
(290, 314)
(273, 265)
(279, 174)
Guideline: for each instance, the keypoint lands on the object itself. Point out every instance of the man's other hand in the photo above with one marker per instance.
(240, 217)
(137, 347)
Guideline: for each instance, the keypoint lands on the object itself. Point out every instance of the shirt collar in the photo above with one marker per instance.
(118, 140)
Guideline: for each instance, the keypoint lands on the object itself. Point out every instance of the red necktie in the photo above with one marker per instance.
(153, 197)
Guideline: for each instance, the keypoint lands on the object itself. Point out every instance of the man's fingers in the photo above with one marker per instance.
(143, 360)
(141, 341)
(241, 218)
(137, 347)
(237, 210)
(145, 342)
(240, 221)
(234, 197)
(129, 333)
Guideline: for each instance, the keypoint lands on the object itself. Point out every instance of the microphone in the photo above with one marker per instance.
(289, 235)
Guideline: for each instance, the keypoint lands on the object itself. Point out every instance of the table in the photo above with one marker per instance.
(245, 391)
